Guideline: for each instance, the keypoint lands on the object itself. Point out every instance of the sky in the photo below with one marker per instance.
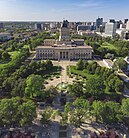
(57, 10)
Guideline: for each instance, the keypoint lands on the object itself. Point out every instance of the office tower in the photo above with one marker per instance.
(99, 22)
(64, 31)
(125, 21)
(112, 21)
(110, 29)
(39, 26)
(127, 25)
(118, 23)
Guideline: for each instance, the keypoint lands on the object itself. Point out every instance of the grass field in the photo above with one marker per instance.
(109, 46)
(83, 73)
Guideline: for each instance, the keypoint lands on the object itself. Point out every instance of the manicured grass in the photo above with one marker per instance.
(83, 73)
(109, 46)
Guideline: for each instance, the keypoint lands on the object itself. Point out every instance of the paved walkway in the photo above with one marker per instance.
(64, 77)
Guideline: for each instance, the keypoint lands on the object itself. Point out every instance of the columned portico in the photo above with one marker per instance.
(64, 55)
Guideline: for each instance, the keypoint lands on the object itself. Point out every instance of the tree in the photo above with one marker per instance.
(77, 112)
(120, 64)
(50, 94)
(98, 110)
(111, 114)
(49, 64)
(27, 112)
(5, 55)
(125, 107)
(106, 112)
(76, 89)
(109, 56)
(95, 86)
(16, 112)
(46, 115)
(9, 114)
(34, 86)
(80, 65)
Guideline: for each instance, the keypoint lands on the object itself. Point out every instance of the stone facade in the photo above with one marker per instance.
(64, 49)
(63, 52)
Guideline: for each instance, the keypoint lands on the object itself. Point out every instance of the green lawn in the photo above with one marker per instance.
(109, 46)
(83, 73)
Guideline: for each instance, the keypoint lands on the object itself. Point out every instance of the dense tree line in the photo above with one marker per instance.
(16, 112)
(81, 110)
(14, 85)
(14, 64)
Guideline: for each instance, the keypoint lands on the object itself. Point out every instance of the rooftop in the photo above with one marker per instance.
(64, 47)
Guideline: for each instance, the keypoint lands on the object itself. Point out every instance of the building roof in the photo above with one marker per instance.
(108, 62)
(64, 47)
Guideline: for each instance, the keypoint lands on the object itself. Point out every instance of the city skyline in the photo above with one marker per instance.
(56, 10)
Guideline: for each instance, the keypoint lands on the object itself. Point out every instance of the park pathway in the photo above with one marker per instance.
(64, 77)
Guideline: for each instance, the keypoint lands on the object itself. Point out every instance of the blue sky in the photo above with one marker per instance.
(56, 10)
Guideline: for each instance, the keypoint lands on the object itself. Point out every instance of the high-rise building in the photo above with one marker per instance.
(127, 25)
(1, 25)
(110, 29)
(99, 22)
(112, 21)
(39, 26)
(64, 31)
(125, 21)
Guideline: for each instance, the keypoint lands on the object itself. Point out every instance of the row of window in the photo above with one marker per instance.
(52, 51)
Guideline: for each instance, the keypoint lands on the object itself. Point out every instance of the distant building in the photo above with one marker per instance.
(127, 25)
(99, 22)
(112, 21)
(125, 21)
(110, 29)
(1, 25)
(39, 26)
(83, 27)
(124, 34)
